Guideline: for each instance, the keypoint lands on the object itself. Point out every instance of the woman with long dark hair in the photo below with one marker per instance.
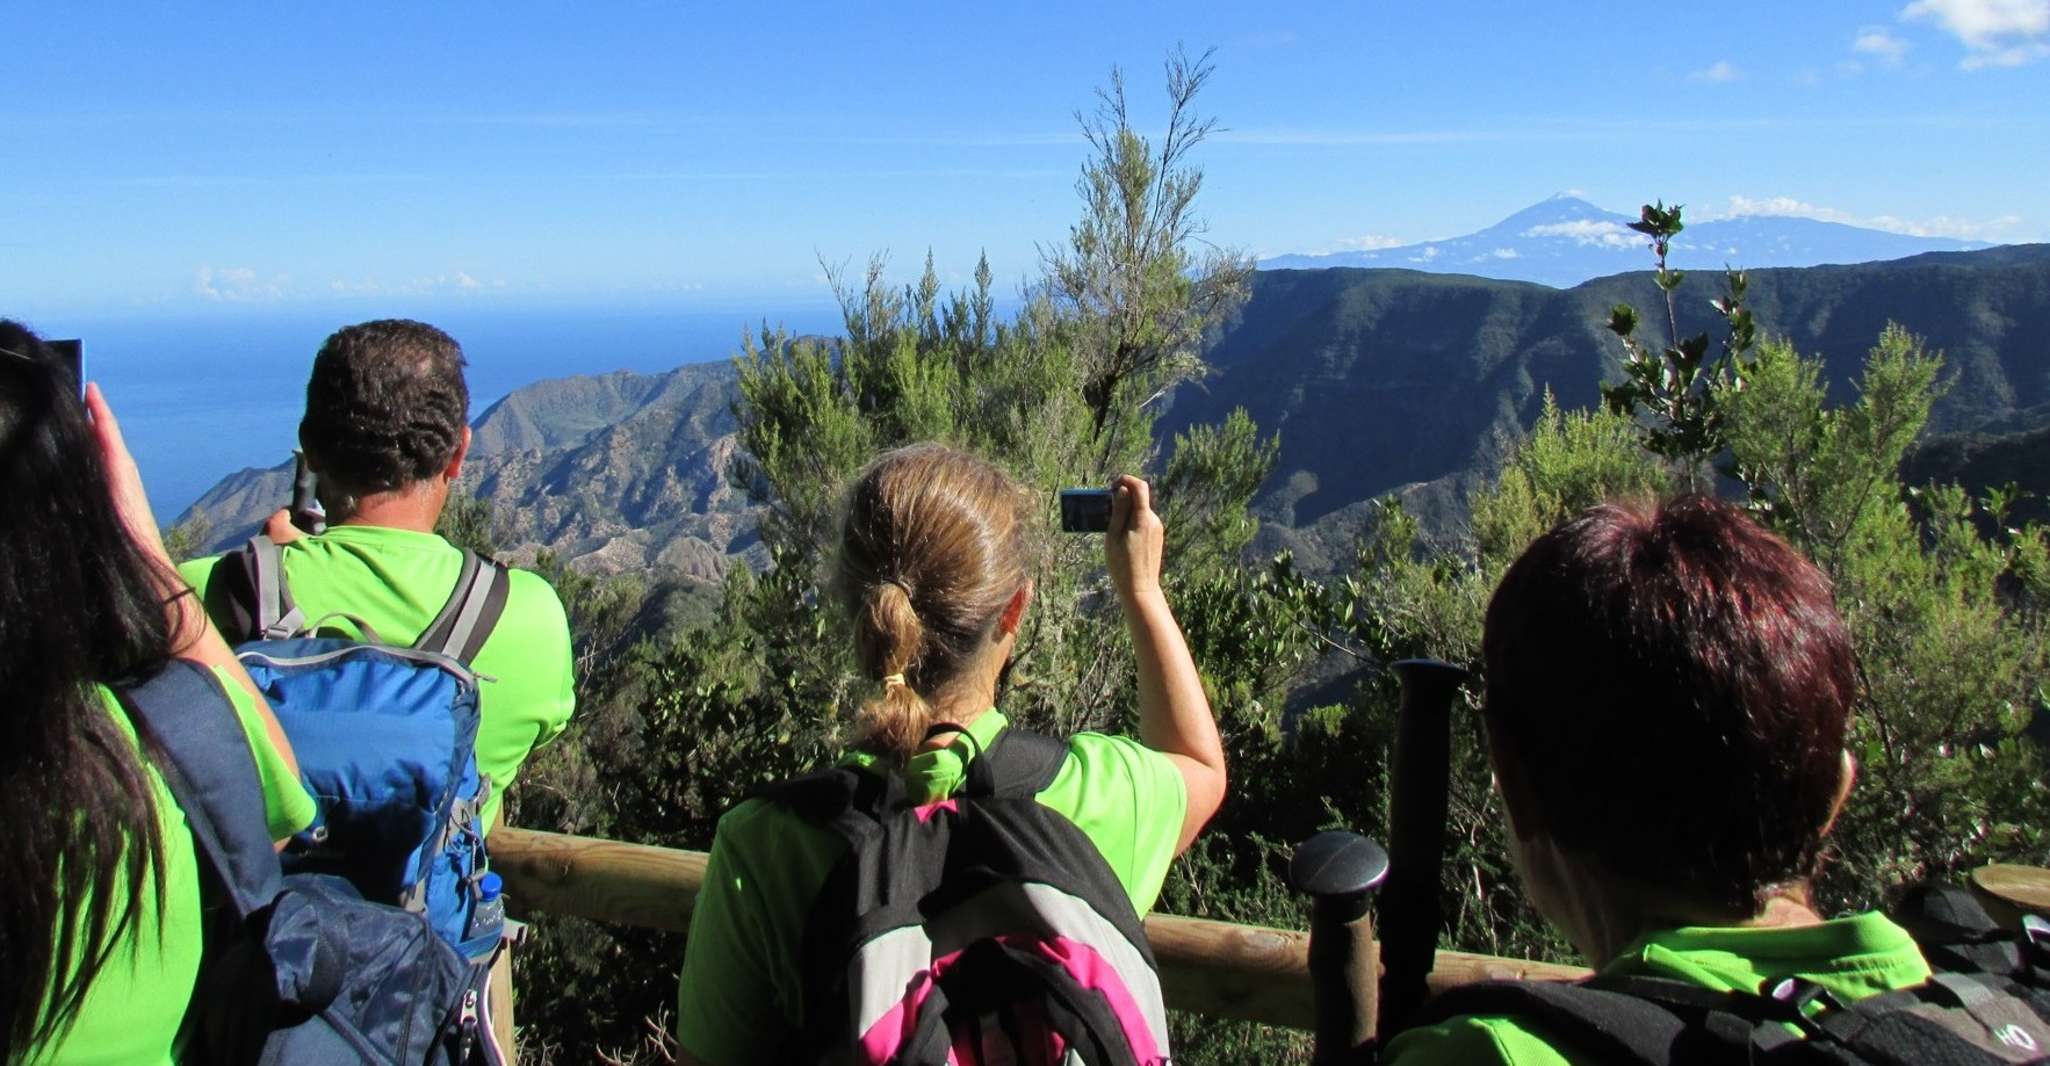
(100, 914)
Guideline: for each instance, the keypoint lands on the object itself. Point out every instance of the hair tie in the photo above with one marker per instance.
(891, 681)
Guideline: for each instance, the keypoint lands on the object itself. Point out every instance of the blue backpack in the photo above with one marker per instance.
(299, 969)
(386, 738)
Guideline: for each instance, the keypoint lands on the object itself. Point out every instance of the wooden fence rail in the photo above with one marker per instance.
(1248, 972)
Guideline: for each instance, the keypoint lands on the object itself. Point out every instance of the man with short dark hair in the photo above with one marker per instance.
(386, 429)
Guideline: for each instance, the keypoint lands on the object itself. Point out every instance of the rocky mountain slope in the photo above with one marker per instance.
(619, 471)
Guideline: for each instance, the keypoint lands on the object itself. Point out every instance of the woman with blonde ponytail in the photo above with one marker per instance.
(935, 574)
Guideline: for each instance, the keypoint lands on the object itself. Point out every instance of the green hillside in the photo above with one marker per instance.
(1378, 378)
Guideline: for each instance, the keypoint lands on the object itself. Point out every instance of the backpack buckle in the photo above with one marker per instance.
(1797, 996)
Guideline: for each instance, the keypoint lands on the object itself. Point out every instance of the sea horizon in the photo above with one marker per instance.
(202, 396)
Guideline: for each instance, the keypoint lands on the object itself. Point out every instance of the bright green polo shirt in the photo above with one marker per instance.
(132, 1012)
(1854, 957)
(398, 580)
(768, 865)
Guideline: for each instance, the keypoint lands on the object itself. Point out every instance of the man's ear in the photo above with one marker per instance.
(455, 462)
(1014, 611)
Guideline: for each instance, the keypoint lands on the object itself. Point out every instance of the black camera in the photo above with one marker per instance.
(1085, 510)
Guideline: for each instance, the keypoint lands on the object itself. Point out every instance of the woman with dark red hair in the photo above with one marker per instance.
(1668, 692)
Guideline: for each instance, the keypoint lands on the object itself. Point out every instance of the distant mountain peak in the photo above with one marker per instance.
(1564, 240)
(1555, 209)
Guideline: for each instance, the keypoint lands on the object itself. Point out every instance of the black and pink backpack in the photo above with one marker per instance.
(982, 929)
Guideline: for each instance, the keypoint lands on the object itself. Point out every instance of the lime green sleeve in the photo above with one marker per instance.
(287, 807)
(1472, 1040)
(547, 638)
(726, 1005)
(1129, 801)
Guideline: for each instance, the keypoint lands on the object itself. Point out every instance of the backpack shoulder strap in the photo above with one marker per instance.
(258, 598)
(1956, 934)
(212, 774)
(1609, 1025)
(848, 801)
(1019, 763)
(472, 610)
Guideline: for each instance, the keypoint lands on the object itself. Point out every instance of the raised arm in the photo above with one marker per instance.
(193, 635)
(1174, 714)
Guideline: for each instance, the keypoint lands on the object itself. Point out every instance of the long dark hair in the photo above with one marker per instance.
(79, 607)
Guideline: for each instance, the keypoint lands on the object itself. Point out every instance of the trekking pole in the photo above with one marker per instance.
(1411, 913)
(1339, 871)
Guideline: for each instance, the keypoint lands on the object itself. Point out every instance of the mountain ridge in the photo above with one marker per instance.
(1376, 380)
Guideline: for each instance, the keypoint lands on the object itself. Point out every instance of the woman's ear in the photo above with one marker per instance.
(1525, 820)
(1843, 791)
(1014, 611)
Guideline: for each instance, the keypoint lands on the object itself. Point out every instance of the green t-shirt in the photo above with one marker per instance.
(397, 580)
(1853, 957)
(768, 864)
(132, 1012)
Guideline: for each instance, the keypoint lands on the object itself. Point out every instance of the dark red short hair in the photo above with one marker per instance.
(1675, 684)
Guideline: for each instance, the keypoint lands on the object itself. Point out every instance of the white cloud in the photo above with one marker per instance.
(1880, 43)
(1719, 71)
(1372, 242)
(1589, 231)
(459, 281)
(1993, 229)
(1995, 33)
(1499, 253)
(237, 285)
(1429, 254)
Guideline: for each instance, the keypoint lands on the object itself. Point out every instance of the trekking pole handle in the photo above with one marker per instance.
(1339, 871)
(1420, 778)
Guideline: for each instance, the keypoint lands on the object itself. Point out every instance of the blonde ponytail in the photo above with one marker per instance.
(889, 635)
(933, 547)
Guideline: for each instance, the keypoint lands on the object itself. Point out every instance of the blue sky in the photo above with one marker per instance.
(698, 156)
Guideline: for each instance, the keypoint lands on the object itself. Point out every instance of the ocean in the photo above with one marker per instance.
(203, 396)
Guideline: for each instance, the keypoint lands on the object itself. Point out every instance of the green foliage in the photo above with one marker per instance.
(188, 539)
(1678, 388)
(1133, 293)
(1943, 599)
(1822, 474)
(1569, 462)
(468, 521)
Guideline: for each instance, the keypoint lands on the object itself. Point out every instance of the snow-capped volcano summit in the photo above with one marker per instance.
(1564, 240)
